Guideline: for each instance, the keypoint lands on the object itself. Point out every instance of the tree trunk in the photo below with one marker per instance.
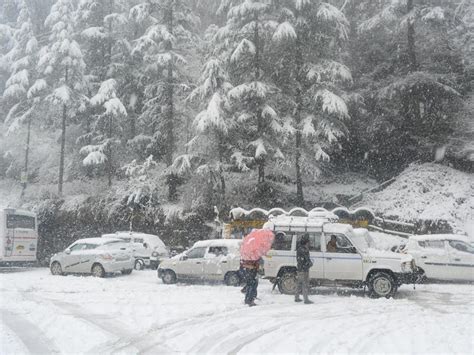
(62, 151)
(170, 96)
(27, 151)
(220, 149)
(109, 153)
(299, 108)
(256, 40)
(413, 66)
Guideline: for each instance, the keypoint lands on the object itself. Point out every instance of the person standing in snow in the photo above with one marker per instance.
(251, 282)
(304, 263)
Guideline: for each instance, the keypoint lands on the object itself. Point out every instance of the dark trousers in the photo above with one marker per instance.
(251, 284)
(302, 285)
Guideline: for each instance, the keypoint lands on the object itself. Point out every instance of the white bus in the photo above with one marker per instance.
(18, 236)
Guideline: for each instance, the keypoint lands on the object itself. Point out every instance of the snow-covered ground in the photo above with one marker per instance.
(428, 191)
(41, 313)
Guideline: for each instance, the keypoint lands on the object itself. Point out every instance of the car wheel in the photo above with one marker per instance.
(169, 277)
(56, 268)
(97, 270)
(381, 284)
(288, 283)
(232, 279)
(127, 272)
(139, 265)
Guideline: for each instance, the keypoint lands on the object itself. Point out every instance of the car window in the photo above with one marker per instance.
(342, 244)
(78, 246)
(282, 241)
(138, 240)
(196, 253)
(434, 244)
(218, 251)
(314, 240)
(89, 246)
(461, 246)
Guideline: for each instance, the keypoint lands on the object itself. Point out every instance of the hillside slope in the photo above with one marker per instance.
(431, 192)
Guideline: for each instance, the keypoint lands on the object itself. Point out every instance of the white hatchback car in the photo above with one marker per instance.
(448, 257)
(96, 256)
(212, 260)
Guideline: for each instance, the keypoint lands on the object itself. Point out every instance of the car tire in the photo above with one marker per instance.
(169, 277)
(381, 284)
(139, 265)
(97, 270)
(288, 283)
(56, 269)
(232, 279)
(127, 272)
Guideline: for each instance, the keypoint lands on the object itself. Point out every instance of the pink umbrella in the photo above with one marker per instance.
(256, 244)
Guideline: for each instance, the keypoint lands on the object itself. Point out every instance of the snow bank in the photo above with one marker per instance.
(428, 192)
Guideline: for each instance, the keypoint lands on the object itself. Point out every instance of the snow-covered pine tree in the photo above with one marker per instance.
(211, 142)
(248, 32)
(105, 34)
(423, 92)
(170, 32)
(106, 128)
(62, 64)
(22, 89)
(309, 38)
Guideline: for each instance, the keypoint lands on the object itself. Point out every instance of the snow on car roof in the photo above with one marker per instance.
(98, 241)
(439, 237)
(230, 243)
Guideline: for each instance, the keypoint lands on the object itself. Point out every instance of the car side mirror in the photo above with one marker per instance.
(352, 250)
(67, 251)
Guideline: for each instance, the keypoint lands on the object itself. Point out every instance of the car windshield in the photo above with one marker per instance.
(359, 241)
(461, 246)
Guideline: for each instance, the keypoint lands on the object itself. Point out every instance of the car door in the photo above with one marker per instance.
(461, 260)
(216, 263)
(432, 257)
(72, 261)
(191, 264)
(317, 270)
(343, 263)
(88, 255)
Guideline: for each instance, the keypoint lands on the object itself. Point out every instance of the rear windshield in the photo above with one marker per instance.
(20, 221)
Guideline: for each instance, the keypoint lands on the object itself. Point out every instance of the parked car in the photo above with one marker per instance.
(354, 262)
(212, 260)
(448, 257)
(149, 249)
(96, 256)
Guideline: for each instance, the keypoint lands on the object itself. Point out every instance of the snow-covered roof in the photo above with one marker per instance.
(439, 237)
(98, 241)
(152, 239)
(229, 243)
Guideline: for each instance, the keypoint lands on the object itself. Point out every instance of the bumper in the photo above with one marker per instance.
(410, 277)
(113, 266)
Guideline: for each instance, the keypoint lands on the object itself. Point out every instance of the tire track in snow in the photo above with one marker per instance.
(30, 335)
(107, 324)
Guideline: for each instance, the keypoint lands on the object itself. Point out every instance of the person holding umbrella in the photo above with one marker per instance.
(303, 263)
(255, 245)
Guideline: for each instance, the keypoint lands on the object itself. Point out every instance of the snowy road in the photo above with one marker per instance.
(135, 314)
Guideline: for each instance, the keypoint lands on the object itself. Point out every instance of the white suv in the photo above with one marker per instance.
(212, 260)
(351, 263)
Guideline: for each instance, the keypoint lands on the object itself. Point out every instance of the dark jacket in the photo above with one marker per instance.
(303, 260)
